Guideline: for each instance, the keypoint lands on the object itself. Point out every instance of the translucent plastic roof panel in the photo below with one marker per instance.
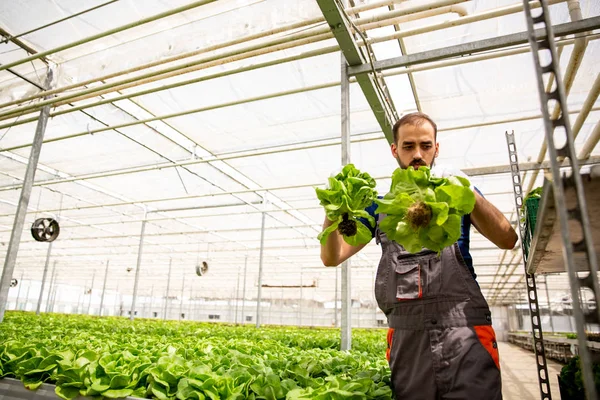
(258, 128)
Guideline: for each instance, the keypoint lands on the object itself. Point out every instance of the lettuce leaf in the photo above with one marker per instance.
(438, 203)
(345, 199)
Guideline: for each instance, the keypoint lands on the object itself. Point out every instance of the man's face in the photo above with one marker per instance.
(416, 146)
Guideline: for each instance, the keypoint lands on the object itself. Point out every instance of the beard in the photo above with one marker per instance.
(416, 164)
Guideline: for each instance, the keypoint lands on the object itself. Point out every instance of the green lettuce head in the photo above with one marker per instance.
(345, 199)
(424, 211)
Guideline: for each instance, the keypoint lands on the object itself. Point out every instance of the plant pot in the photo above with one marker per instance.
(564, 392)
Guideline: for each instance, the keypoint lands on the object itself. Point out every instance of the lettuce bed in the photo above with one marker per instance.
(114, 357)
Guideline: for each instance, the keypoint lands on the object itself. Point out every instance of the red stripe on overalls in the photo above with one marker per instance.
(390, 337)
(487, 337)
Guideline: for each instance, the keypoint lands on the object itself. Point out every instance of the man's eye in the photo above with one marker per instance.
(427, 146)
(407, 147)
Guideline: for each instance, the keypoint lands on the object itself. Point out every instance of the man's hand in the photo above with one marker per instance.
(488, 220)
(335, 251)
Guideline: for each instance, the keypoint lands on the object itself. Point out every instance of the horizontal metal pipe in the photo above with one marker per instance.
(247, 38)
(277, 149)
(193, 245)
(213, 214)
(150, 77)
(326, 50)
(313, 53)
(106, 33)
(463, 20)
(478, 46)
(397, 17)
(181, 113)
(192, 256)
(235, 55)
(294, 40)
(164, 61)
(155, 269)
(39, 28)
(307, 54)
(196, 216)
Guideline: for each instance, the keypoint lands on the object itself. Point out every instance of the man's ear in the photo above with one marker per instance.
(437, 150)
(394, 149)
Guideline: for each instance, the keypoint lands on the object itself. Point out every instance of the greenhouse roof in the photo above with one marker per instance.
(201, 117)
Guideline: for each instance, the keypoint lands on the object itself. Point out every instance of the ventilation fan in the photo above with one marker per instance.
(202, 269)
(13, 282)
(45, 229)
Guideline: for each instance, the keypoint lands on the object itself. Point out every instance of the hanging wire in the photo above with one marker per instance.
(16, 120)
(11, 37)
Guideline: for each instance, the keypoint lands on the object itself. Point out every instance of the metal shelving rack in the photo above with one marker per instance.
(545, 255)
(541, 37)
(536, 326)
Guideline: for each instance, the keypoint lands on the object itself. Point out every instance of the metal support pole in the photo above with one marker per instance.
(244, 290)
(346, 343)
(39, 304)
(182, 289)
(54, 291)
(20, 283)
(549, 305)
(51, 286)
(27, 296)
(91, 293)
(138, 266)
(335, 305)
(19, 222)
(260, 267)
(79, 301)
(152, 302)
(168, 287)
(104, 288)
(281, 308)
(191, 302)
(237, 296)
(312, 310)
(270, 307)
(116, 301)
(300, 302)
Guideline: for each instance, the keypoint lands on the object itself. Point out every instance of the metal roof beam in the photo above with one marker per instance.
(471, 48)
(372, 86)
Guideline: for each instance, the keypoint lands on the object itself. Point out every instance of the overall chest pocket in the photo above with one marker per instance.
(409, 280)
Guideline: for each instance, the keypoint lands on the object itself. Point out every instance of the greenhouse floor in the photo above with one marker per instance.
(519, 374)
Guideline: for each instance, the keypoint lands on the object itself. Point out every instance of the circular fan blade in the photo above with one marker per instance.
(45, 229)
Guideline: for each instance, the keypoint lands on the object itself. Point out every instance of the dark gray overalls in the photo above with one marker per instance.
(441, 344)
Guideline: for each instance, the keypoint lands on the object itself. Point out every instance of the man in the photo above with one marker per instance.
(440, 341)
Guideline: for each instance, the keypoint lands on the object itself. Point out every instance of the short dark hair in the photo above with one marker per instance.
(414, 119)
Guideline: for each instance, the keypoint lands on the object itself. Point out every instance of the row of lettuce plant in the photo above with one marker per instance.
(116, 358)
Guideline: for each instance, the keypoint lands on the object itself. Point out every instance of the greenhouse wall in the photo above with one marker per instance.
(270, 314)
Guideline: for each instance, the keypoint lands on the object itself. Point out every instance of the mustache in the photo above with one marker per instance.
(420, 163)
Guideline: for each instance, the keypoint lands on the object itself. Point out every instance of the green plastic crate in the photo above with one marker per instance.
(531, 210)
